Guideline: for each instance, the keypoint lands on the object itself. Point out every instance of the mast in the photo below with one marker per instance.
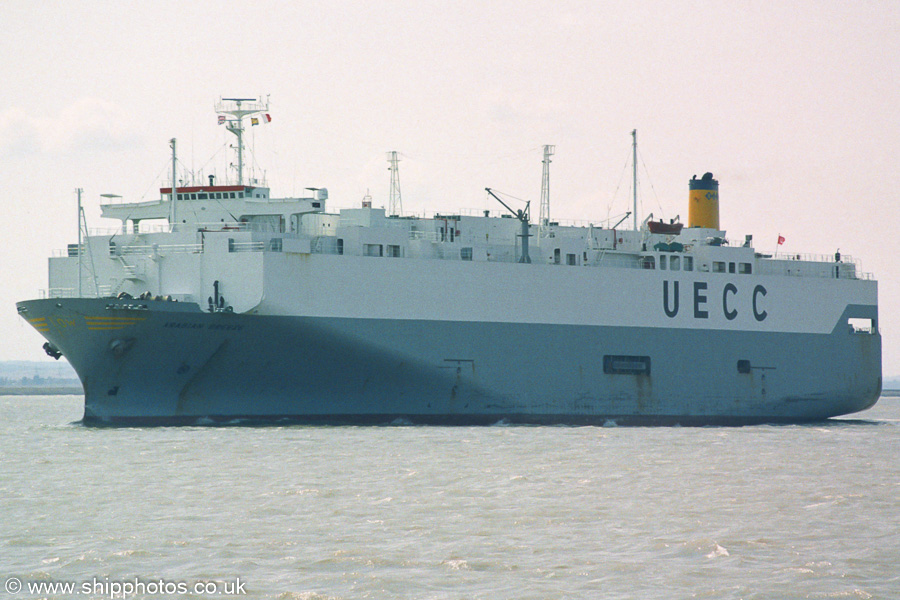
(174, 215)
(80, 249)
(82, 238)
(395, 206)
(237, 109)
(544, 221)
(634, 175)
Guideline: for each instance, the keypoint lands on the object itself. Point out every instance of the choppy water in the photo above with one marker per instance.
(450, 513)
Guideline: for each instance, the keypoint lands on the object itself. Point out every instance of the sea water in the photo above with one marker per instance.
(780, 512)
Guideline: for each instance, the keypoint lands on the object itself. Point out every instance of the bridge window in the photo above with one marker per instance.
(675, 263)
(745, 268)
(718, 266)
(465, 254)
(393, 251)
(373, 250)
(688, 263)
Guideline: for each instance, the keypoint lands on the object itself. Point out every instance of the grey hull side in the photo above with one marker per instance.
(170, 363)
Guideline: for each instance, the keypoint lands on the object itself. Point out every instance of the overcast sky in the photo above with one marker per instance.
(793, 106)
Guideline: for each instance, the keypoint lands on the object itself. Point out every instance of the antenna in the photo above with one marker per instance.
(545, 190)
(395, 205)
(237, 109)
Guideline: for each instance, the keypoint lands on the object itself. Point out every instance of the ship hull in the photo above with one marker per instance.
(153, 362)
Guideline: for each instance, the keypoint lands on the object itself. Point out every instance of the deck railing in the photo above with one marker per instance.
(86, 292)
(790, 265)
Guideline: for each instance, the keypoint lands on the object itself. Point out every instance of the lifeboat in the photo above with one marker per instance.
(661, 226)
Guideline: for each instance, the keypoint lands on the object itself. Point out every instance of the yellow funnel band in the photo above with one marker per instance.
(703, 202)
(703, 209)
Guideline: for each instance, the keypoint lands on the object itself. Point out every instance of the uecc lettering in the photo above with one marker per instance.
(731, 304)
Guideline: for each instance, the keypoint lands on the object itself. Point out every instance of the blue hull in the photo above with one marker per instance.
(170, 363)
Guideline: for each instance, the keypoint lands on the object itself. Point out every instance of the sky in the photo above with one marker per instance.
(793, 106)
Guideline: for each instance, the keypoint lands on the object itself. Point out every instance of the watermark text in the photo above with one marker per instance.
(124, 588)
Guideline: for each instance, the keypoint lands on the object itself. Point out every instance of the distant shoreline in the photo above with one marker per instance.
(38, 390)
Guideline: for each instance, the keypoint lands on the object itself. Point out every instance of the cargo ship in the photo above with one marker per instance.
(216, 303)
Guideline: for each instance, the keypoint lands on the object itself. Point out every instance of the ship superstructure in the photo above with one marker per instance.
(221, 302)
